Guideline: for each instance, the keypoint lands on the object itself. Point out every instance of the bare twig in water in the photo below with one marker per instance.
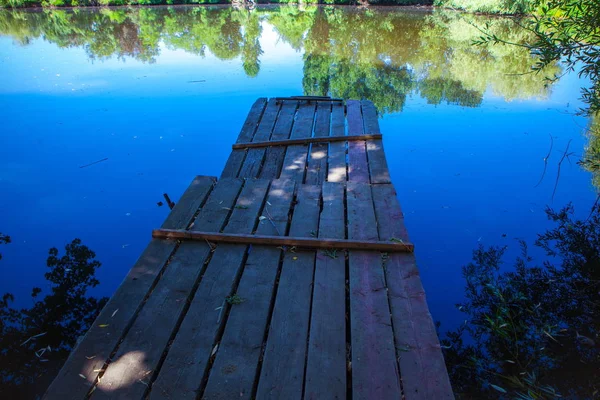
(546, 161)
(565, 155)
(95, 162)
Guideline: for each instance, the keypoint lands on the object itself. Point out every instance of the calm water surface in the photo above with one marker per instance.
(162, 93)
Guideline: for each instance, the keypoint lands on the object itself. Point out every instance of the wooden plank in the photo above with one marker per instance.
(294, 163)
(233, 164)
(254, 158)
(424, 374)
(327, 342)
(336, 171)
(235, 367)
(304, 242)
(281, 131)
(316, 172)
(374, 367)
(189, 354)
(89, 356)
(358, 168)
(282, 372)
(138, 356)
(378, 167)
(252, 120)
(236, 158)
(306, 140)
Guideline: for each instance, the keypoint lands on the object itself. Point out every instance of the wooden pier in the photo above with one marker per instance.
(291, 276)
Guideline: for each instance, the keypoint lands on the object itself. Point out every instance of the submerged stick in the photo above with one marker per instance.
(169, 202)
(95, 162)
(565, 155)
(546, 161)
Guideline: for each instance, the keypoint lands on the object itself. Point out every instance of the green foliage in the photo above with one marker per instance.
(591, 158)
(489, 6)
(532, 332)
(380, 54)
(565, 31)
(34, 342)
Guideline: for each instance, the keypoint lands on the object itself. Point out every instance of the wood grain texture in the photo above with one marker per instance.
(234, 371)
(252, 120)
(422, 365)
(189, 354)
(336, 169)
(282, 372)
(236, 158)
(316, 172)
(233, 164)
(296, 156)
(89, 356)
(327, 340)
(374, 368)
(281, 131)
(358, 168)
(254, 158)
(378, 167)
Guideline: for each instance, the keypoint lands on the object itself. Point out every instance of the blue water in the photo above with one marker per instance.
(465, 175)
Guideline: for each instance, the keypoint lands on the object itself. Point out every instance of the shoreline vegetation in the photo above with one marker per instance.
(489, 7)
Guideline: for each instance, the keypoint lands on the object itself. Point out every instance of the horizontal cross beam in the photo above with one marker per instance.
(324, 139)
(307, 242)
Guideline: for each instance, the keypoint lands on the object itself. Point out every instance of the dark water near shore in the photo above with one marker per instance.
(162, 92)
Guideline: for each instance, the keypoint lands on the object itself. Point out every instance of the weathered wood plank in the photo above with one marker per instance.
(254, 158)
(374, 367)
(99, 342)
(252, 120)
(336, 171)
(370, 121)
(233, 164)
(281, 131)
(189, 354)
(282, 372)
(378, 167)
(137, 358)
(326, 359)
(358, 168)
(422, 365)
(316, 172)
(294, 163)
(236, 158)
(235, 367)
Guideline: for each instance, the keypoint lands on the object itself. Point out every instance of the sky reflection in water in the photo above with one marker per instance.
(162, 93)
